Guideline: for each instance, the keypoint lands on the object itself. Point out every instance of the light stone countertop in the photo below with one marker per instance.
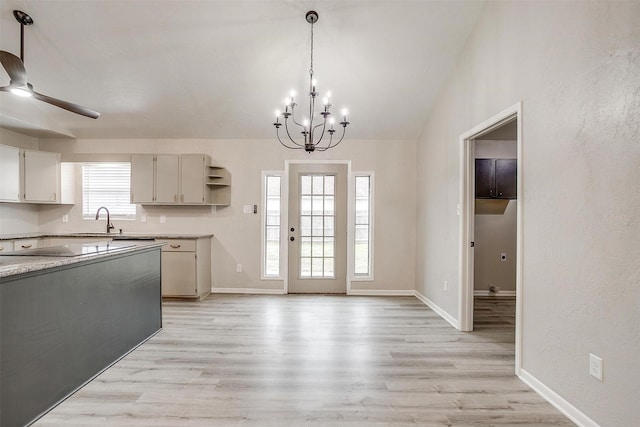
(15, 265)
(18, 236)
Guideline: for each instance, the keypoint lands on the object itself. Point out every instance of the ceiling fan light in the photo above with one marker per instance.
(20, 92)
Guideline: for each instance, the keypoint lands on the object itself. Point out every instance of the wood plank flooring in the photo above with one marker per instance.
(298, 360)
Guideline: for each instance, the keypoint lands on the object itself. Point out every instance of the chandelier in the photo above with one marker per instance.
(314, 129)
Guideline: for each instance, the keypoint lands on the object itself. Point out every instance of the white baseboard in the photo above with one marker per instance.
(433, 306)
(494, 294)
(247, 291)
(382, 292)
(573, 413)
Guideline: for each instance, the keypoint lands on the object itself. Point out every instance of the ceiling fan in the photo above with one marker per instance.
(18, 75)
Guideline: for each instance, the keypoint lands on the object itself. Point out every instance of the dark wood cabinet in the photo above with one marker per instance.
(496, 178)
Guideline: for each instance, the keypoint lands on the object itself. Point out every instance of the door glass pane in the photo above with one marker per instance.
(305, 184)
(317, 226)
(318, 205)
(317, 184)
(305, 267)
(305, 226)
(305, 246)
(329, 186)
(328, 267)
(316, 267)
(305, 205)
(328, 247)
(329, 208)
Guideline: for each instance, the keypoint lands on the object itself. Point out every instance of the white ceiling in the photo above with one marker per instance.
(218, 69)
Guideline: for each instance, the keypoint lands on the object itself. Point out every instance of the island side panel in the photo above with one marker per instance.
(61, 327)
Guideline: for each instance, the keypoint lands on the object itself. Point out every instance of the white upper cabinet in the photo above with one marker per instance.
(192, 179)
(9, 174)
(142, 178)
(41, 177)
(167, 179)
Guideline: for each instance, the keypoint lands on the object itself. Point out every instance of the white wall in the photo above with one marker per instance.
(576, 68)
(495, 234)
(14, 217)
(237, 235)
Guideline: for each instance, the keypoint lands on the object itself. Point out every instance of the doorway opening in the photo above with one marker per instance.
(491, 217)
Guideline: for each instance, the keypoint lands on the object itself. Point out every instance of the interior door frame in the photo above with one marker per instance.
(284, 231)
(466, 225)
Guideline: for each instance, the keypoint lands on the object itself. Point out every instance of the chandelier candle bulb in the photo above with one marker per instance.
(314, 134)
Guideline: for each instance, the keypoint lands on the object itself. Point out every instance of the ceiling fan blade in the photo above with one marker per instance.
(14, 67)
(66, 105)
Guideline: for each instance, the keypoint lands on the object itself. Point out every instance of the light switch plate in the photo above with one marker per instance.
(247, 209)
(163, 219)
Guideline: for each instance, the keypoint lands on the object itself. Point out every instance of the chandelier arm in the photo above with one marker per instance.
(324, 125)
(344, 131)
(299, 147)
(286, 126)
(293, 117)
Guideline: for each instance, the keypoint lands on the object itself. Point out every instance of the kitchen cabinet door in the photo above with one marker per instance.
(41, 177)
(192, 179)
(485, 178)
(142, 178)
(178, 274)
(9, 173)
(506, 178)
(167, 179)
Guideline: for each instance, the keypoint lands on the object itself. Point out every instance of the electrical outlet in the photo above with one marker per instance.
(595, 366)
(143, 218)
(446, 285)
(238, 268)
(65, 218)
(163, 219)
(213, 209)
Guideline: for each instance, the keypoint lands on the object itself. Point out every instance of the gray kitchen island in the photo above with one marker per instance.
(66, 317)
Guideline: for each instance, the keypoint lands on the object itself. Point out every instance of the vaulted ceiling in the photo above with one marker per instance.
(219, 68)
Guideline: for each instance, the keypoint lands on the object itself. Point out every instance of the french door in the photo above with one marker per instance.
(317, 228)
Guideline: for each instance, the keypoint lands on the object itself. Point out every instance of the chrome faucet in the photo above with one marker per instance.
(109, 225)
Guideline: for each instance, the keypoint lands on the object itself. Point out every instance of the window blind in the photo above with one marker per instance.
(107, 184)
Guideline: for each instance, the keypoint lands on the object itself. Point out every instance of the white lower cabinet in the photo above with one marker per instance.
(186, 268)
(6, 246)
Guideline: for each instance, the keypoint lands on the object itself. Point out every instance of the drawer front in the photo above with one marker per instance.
(178, 245)
(6, 246)
(20, 245)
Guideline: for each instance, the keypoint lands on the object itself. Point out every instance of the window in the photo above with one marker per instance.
(107, 184)
(271, 225)
(363, 236)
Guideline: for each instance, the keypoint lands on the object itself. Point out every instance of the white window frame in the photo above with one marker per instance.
(370, 276)
(263, 226)
(113, 215)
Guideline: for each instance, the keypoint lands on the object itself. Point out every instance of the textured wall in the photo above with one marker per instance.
(237, 235)
(576, 68)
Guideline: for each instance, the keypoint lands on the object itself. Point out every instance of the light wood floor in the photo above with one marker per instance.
(297, 360)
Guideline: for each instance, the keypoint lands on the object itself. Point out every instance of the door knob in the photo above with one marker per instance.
(292, 238)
